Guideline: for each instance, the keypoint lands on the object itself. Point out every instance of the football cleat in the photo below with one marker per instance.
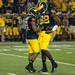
(43, 70)
(54, 66)
(30, 69)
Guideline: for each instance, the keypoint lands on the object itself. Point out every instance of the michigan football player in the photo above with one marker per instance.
(32, 40)
(46, 35)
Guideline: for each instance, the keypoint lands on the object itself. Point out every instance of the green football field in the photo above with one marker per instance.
(14, 57)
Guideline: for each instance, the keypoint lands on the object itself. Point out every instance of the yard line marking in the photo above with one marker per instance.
(51, 49)
(19, 49)
(53, 46)
(26, 53)
(46, 73)
(69, 48)
(19, 46)
(23, 49)
(14, 49)
(13, 55)
(63, 45)
(69, 52)
(69, 64)
(11, 73)
(4, 50)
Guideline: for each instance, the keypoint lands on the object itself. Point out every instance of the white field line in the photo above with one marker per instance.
(19, 49)
(11, 73)
(68, 64)
(50, 45)
(69, 52)
(54, 46)
(52, 42)
(14, 49)
(23, 49)
(19, 46)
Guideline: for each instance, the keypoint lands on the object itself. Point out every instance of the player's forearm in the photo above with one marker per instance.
(54, 32)
(53, 36)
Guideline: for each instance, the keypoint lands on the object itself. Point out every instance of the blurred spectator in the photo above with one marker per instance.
(58, 4)
(72, 20)
(65, 26)
(15, 27)
(23, 6)
(8, 26)
(64, 7)
(2, 7)
(5, 2)
(9, 7)
(59, 33)
(72, 6)
(1, 3)
(16, 6)
(2, 28)
(71, 32)
(72, 10)
(22, 26)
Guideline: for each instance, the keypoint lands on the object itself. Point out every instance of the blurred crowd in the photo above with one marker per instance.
(13, 18)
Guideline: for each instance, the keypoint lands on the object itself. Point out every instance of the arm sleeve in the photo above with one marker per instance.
(55, 28)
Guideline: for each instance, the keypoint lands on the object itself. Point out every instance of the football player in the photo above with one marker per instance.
(2, 27)
(32, 40)
(15, 29)
(46, 34)
(8, 26)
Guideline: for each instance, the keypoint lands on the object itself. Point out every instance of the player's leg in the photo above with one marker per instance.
(49, 56)
(11, 34)
(45, 53)
(17, 33)
(33, 53)
(43, 56)
(14, 33)
(30, 67)
(44, 67)
(7, 32)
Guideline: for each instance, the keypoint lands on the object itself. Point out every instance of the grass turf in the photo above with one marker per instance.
(14, 57)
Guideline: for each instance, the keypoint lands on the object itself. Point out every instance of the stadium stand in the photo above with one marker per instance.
(20, 8)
